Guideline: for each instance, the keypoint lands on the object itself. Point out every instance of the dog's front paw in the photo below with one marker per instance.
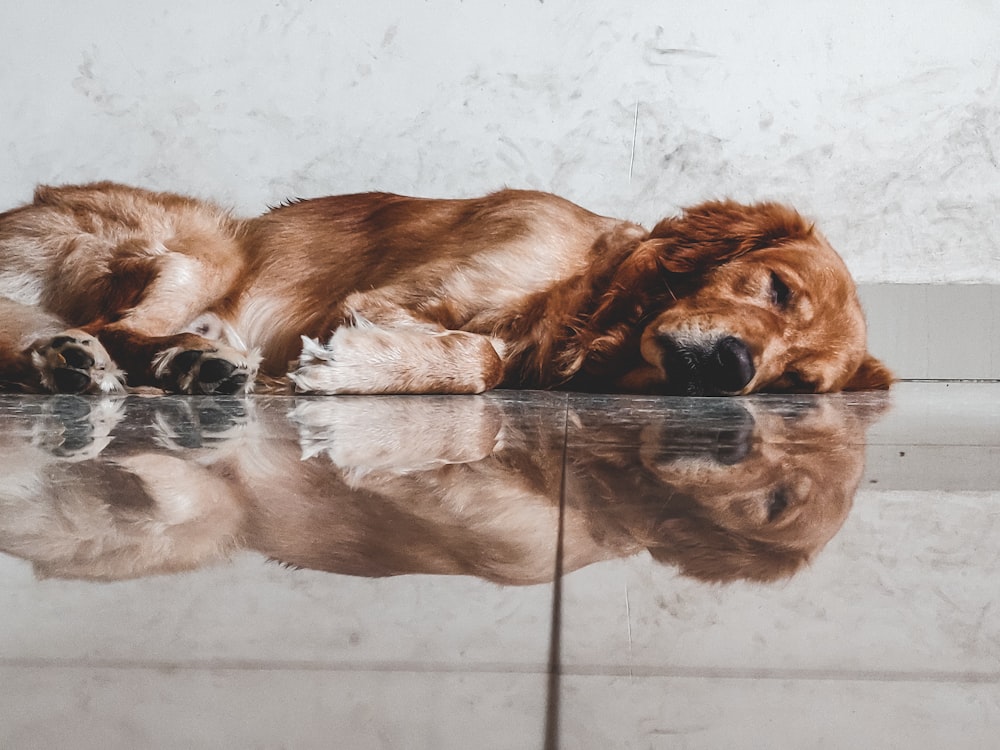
(210, 371)
(76, 362)
(319, 370)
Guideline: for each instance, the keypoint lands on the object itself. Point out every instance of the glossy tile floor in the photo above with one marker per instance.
(516, 570)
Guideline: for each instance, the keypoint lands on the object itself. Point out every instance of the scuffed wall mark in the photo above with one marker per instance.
(660, 52)
(928, 82)
(987, 116)
(670, 56)
(511, 154)
(635, 133)
(695, 152)
(979, 129)
(362, 71)
(679, 52)
(89, 85)
(128, 60)
(289, 14)
(390, 35)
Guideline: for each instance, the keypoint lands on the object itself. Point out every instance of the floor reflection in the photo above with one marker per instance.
(725, 489)
(108, 489)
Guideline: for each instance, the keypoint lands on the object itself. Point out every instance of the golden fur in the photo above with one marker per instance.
(378, 293)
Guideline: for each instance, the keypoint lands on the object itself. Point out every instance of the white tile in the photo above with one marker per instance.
(906, 587)
(940, 414)
(936, 436)
(253, 612)
(953, 468)
(598, 712)
(125, 709)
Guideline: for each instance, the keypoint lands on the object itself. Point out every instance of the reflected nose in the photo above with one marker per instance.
(731, 365)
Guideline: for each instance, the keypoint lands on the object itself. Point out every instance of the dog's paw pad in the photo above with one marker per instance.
(315, 379)
(210, 372)
(75, 362)
(222, 376)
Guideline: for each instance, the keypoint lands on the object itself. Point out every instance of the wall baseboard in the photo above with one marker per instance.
(935, 331)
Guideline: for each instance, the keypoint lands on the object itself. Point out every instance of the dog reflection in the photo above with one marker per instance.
(382, 486)
(753, 491)
(84, 498)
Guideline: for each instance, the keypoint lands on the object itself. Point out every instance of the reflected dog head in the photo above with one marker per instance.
(755, 494)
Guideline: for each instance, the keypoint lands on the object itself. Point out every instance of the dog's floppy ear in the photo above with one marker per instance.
(703, 236)
(871, 375)
(717, 231)
(635, 280)
(635, 272)
(709, 553)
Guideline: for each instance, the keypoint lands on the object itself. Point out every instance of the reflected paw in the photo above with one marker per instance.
(186, 424)
(76, 428)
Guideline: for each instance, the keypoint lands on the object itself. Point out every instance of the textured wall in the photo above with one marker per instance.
(882, 120)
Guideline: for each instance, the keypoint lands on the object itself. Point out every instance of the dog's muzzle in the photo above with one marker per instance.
(719, 368)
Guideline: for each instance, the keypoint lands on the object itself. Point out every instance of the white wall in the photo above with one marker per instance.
(880, 119)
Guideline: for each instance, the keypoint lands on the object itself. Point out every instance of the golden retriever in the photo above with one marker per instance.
(378, 293)
(401, 485)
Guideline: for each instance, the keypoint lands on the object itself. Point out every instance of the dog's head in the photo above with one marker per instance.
(738, 299)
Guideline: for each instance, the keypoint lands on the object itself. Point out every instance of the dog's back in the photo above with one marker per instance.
(465, 264)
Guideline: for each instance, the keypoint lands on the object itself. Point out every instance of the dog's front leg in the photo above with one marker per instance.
(367, 358)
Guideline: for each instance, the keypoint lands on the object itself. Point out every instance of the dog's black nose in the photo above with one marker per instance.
(730, 367)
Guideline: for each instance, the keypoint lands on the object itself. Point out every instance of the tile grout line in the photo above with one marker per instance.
(582, 670)
(555, 637)
(628, 624)
(275, 665)
(785, 674)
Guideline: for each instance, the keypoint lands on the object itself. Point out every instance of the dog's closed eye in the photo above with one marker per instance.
(792, 382)
(781, 295)
(777, 502)
(798, 383)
